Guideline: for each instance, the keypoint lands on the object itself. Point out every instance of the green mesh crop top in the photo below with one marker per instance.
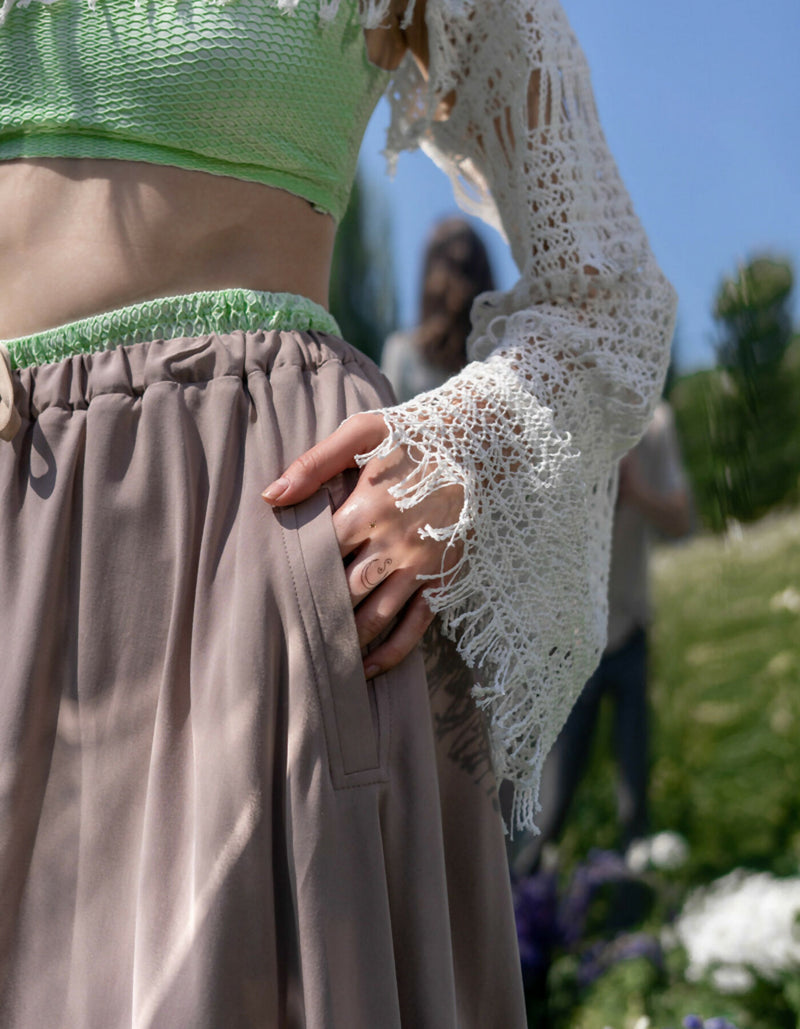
(239, 89)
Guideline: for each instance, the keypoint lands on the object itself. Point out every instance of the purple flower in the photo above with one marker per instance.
(592, 964)
(638, 945)
(601, 868)
(597, 959)
(535, 913)
(696, 1022)
(606, 866)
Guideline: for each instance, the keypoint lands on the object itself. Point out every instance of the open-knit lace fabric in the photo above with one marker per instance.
(567, 366)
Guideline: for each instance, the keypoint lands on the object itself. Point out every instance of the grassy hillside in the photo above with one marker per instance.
(725, 692)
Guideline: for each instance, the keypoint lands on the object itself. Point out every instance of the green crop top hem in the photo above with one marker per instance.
(189, 315)
(238, 89)
(58, 145)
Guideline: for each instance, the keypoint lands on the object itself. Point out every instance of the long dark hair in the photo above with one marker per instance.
(455, 270)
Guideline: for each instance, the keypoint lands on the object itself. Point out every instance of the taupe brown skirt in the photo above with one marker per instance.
(210, 820)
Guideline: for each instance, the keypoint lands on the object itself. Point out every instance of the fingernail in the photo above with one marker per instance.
(275, 490)
(370, 671)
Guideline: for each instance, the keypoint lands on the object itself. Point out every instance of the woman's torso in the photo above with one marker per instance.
(82, 235)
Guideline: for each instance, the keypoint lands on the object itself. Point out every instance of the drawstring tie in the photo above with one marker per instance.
(10, 420)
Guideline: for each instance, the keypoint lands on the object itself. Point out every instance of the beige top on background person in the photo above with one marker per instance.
(404, 368)
(658, 465)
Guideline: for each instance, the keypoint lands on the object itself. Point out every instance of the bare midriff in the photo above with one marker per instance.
(81, 236)
(78, 237)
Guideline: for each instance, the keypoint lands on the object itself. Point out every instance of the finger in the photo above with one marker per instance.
(367, 572)
(382, 605)
(402, 640)
(357, 435)
(359, 519)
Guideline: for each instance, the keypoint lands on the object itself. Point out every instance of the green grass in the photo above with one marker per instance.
(725, 698)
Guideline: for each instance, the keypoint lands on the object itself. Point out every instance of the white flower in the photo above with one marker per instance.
(733, 979)
(665, 851)
(668, 851)
(637, 856)
(787, 600)
(742, 920)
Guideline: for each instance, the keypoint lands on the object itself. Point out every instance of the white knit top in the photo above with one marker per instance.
(568, 365)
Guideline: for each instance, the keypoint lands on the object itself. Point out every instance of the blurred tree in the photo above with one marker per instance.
(754, 319)
(740, 422)
(754, 413)
(694, 399)
(362, 293)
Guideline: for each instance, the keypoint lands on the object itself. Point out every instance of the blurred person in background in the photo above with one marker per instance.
(455, 271)
(653, 498)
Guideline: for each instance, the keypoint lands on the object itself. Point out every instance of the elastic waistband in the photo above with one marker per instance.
(189, 315)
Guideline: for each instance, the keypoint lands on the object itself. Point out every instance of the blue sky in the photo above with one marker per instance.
(700, 102)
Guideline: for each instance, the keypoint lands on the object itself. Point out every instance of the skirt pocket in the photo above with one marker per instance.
(355, 713)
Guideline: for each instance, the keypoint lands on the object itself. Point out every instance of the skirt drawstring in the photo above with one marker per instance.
(10, 420)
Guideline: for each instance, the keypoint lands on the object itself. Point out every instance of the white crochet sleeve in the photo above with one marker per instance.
(567, 366)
